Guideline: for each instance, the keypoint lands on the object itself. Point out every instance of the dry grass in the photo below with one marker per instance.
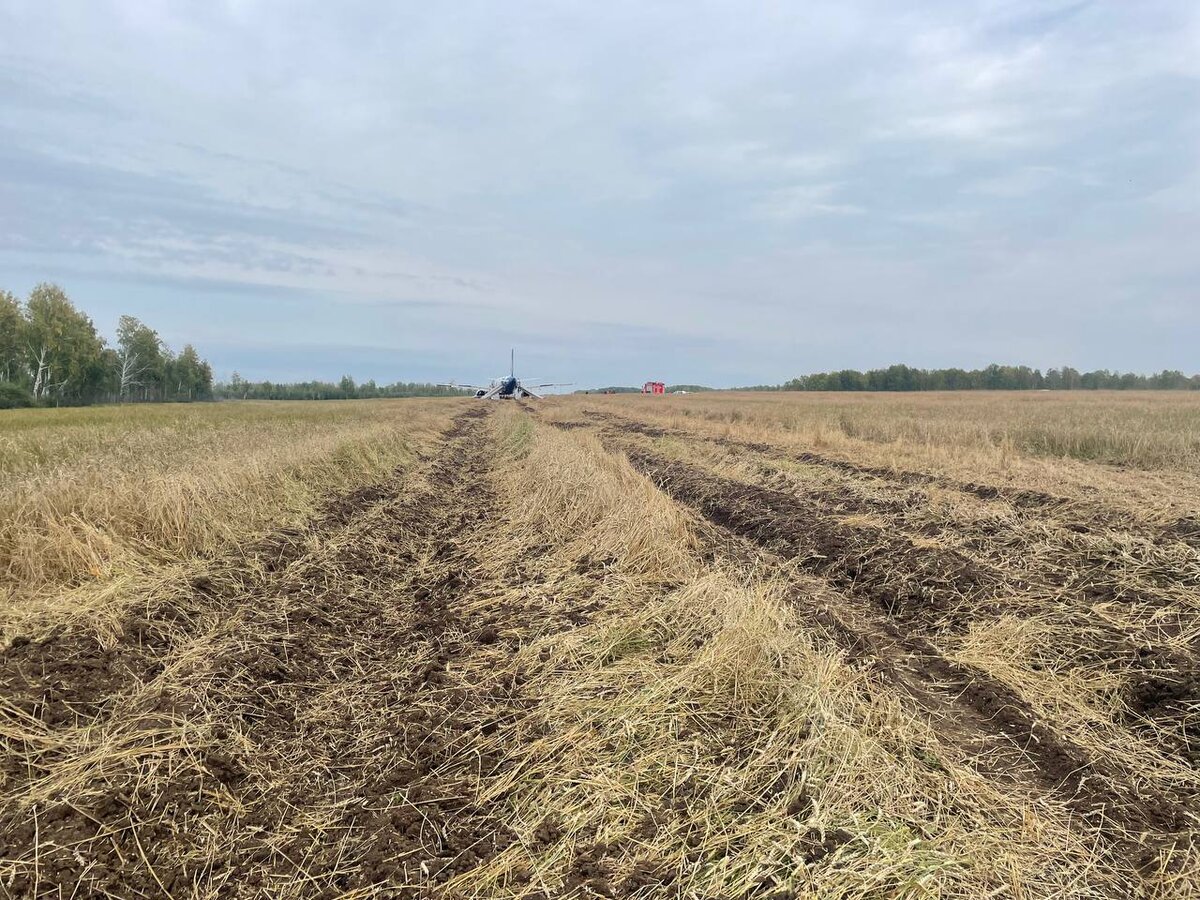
(1140, 449)
(1146, 429)
(1068, 655)
(1094, 612)
(94, 499)
(518, 669)
(697, 734)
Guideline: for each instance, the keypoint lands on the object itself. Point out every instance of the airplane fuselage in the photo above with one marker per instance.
(508, 387)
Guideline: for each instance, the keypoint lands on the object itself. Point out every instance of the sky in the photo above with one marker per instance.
(697, 192)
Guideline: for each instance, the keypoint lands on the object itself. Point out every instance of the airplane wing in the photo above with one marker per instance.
(459, 384)
(556, 384)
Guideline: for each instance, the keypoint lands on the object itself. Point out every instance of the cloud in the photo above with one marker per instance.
(798, 201)
(739, 193)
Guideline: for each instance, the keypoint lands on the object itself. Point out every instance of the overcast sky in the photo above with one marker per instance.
(717, 192)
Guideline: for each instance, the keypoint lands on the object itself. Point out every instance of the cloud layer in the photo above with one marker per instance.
(716, 192)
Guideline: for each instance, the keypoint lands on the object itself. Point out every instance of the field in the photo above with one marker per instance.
(711, 646)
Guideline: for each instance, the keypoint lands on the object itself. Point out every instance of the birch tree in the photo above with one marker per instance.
(62, 350)
(141, 354)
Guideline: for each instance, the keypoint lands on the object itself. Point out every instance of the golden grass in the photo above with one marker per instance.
(91, 499)
(655, 714)
(701, 693)
(1072, 658)
(1147, 429)
(1139, 450)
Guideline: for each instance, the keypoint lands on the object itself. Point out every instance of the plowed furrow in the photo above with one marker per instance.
(1186, 530)
(72, 679)
(797, 532)
(1073, 584)
(319, 747)
(912, 584)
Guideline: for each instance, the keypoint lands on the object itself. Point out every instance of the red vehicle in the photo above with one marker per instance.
(654, 387)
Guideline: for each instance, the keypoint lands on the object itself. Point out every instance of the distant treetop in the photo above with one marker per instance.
(237, 388)
(992, 378)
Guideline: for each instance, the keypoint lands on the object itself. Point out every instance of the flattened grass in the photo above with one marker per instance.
(696, 737)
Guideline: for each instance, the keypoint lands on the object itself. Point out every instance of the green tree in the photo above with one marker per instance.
(63, 351)
(187, 378)
(143, 360)
(12, 338)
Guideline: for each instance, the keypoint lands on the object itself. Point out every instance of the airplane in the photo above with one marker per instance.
(507, 387)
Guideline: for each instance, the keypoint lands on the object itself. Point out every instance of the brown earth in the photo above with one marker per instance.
(879, 572)
(341, 710)
(274, 756)
(952, 588)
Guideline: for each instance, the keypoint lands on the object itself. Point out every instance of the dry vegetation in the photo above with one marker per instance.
(94, 501)
(711, 647)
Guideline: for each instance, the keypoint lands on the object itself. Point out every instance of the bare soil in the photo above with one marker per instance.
(342, 709)
(976, 566)
(283, 761)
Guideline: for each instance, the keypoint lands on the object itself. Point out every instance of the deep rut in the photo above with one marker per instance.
(985, 717)
(989, 569)
(1185, 530)
(317, 745)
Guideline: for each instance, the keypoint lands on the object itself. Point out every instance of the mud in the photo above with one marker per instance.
(1186, 529)
(961, 697)
(1166, 706)
(1075, 581)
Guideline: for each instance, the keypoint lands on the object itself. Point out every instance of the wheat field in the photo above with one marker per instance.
(706, 646)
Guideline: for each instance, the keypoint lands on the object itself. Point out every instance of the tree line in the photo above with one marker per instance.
(347, 389)
(52, 355)
(992, 378)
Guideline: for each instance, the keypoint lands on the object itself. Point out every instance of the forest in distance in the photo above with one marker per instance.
(992, 378)
(51, 354)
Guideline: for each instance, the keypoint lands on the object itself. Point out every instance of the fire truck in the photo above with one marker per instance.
(654, 387)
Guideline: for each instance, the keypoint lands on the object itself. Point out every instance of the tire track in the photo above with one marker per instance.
(334, 718)
(71, 679)
(1185, 530)
(1162, 682)
(987, 715)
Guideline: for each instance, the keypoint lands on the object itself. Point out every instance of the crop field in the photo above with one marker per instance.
(721, 646)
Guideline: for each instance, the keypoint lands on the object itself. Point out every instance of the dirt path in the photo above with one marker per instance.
(318, 736)
(1125, 602)
(985, 717)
